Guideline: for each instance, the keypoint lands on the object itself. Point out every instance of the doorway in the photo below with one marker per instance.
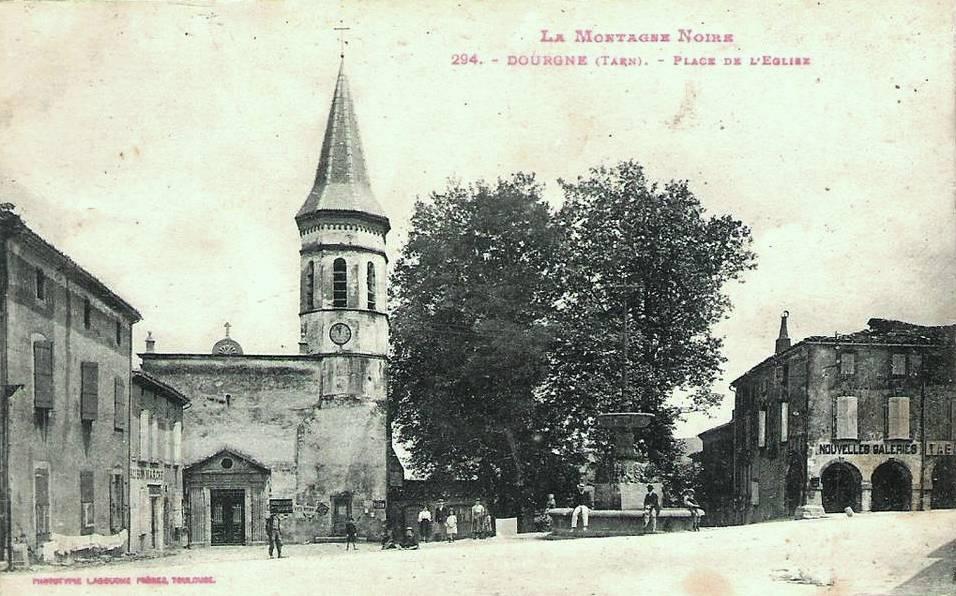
(944, 484)
(841, 487)
(341, 512)
(892, 487)
(793, 496)
(228, 516)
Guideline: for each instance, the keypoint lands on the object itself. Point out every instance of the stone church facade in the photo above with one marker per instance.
(304, 435)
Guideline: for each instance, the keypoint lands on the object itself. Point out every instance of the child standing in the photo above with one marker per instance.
(350, 532)
(451, 525)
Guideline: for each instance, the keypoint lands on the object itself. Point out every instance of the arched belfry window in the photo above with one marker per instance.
(339, 284)
(310, 285)
(370, 282)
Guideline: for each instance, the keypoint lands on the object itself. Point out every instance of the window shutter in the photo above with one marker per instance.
(784, 421)
(178, 443)
(761, 428)
(846, 417)
(899, 418)
(154, 440)
(144, 426)
(89, 390)
(86, 499)
(119, 404)
(43, 374)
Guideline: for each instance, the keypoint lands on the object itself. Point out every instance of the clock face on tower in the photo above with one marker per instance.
(340, 334)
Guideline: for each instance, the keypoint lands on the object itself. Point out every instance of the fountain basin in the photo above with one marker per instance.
(625, 522)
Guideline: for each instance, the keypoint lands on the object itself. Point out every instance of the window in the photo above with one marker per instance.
(784, 421)
(87, 314)
(848, 363)
(754, 492)
(117, 502)
(898, 418)
(41, 498)
(762, 428)
(370, 282)
(87, 521)
(309, 285)
(846, 419)
(89, 390)
(339, 284)
(899, 365)
(916, 363)
(119, 405)
(166, 443)
(43, 374)
(119, 333)
(144, 426)
(41, 284)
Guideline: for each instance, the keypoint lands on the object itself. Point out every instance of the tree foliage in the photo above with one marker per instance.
(508, 328)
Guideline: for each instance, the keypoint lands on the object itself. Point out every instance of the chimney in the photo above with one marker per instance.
(150, 342)
(783, 341)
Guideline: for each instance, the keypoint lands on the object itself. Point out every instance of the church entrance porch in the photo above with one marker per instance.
(944, 484)
(228, 516)
(892, 487)
(841, 487)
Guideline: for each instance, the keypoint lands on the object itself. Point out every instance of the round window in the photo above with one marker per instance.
(226, 463)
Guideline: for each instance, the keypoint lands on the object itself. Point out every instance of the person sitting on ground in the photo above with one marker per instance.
(583, 503)
(652, 507)
(388, 541)
(695, 509)
(451, 525)
(409, 542)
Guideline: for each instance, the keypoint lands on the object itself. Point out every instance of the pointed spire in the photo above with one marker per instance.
(341, 180)
(783, 340)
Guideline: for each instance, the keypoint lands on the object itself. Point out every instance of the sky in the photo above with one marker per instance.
(167, 146)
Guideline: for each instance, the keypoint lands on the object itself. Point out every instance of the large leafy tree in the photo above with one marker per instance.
(641, 283)
(470, 340)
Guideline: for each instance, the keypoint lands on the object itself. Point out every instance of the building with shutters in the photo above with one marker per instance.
(65, 359)
(156, 465)
(865, 420)
(302, 434)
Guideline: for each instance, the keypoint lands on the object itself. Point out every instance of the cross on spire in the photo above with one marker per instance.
(227, 326)
(342, 41)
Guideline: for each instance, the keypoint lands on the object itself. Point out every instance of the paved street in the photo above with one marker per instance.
(878, 553)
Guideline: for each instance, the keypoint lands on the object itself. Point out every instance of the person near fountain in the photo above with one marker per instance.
(652, 507)
(583, 503)
(695, 509)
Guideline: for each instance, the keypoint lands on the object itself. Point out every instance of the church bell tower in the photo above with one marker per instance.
(343, 276)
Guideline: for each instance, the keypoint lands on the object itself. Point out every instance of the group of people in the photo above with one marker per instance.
(584, 502)
(274, 534)
(442, 526)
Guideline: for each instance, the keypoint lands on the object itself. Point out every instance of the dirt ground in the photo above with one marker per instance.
(876, 553)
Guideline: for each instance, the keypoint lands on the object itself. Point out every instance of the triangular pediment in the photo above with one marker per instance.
(227, 460)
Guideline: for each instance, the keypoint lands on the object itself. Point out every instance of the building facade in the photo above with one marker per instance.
(309, 430)
(156, 465)
(65, 359)
(865, 420)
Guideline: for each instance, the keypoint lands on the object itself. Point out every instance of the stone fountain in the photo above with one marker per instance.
(619, 503)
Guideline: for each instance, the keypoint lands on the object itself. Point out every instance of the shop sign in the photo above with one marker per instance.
(940, 447)
(872, 448)
(145, 474)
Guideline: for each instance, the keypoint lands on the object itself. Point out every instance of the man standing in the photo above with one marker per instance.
(477, 518)
(652, 506)
(441, 514)
(691, 503)
(274, 532)
(583, 503)
(350, 532)
(424, 523)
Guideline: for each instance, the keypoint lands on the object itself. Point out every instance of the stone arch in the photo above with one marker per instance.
(943, 475)
(892, 487)
(842, 484)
